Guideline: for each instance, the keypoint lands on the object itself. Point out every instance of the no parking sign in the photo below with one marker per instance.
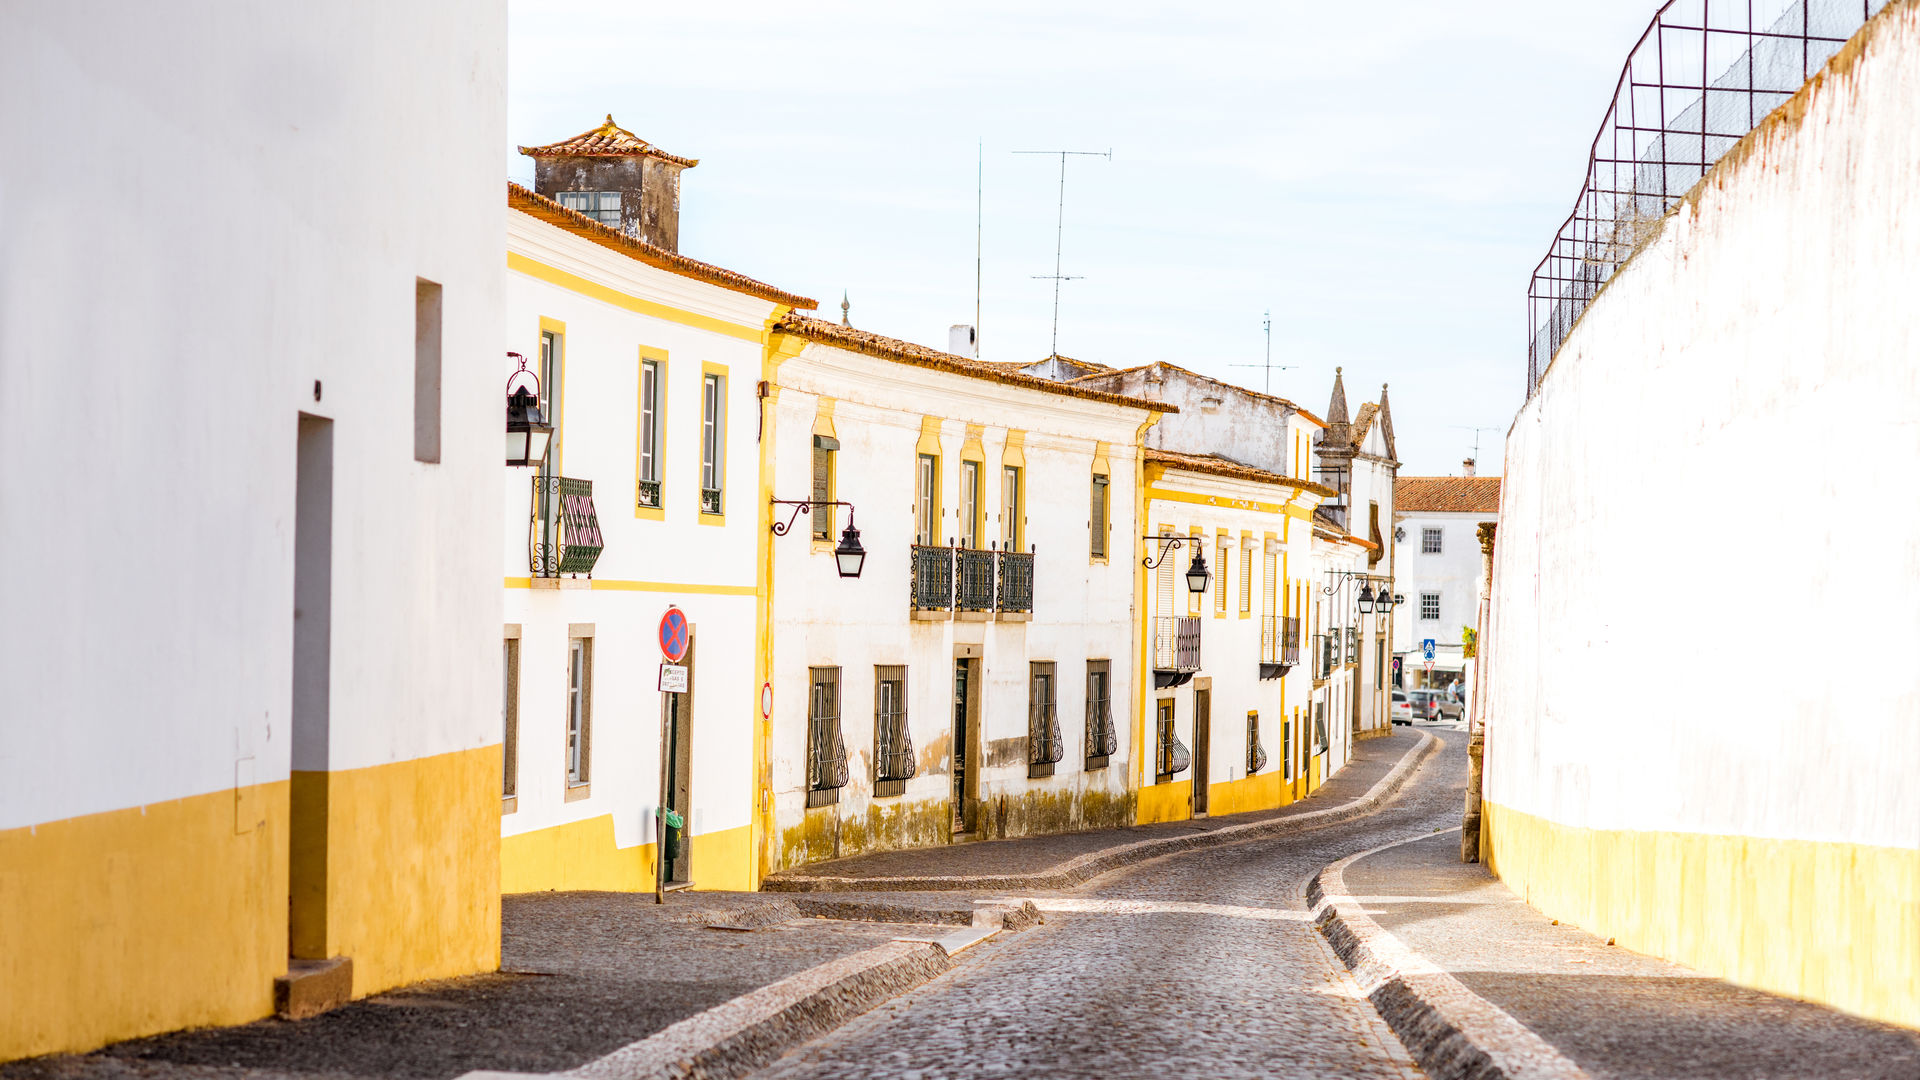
(673, 635)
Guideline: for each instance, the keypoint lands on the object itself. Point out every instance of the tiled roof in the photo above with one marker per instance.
(1111, 372)
(1216, 465)
(1325, 528)
(539, 206)
(1446, 495)
(607, 140)
(906, 352)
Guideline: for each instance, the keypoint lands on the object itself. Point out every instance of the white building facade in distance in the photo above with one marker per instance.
(1355, 563)
(249, 750)
(976, 679)
(1437, 552)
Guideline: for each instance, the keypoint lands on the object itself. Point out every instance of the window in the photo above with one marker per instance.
(1379, 664)
(510, 715)
(426, 371)
(1429, 541)
(647, 495)
(713, 437)
(1010, 509)
(824, 448)
(601, 206)
(826, 750)
(893, 763)
(1221, 582)
(1043, 723)
(1430, 606)
(1319, 729)
(1246, 581)
(1102, 740)
(1256, 754)
(579, 710)
(1271, 604)
(1286, 747)
(969, 504)
(926, 487)
(1097, 521)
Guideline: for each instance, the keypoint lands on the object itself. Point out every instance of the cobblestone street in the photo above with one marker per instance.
(1196, 964)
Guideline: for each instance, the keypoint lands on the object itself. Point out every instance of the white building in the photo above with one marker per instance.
(1437, 551)
(249, 719)
(1227, 712)
(1357, 461)
(650, 365)
(975, 680)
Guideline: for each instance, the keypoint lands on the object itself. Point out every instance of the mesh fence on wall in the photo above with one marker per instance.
(1701, 77)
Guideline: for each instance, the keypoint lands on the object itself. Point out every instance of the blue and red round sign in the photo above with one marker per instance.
(673, 635)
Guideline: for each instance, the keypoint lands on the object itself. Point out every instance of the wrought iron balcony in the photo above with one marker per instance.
(1102, 739)
(563, 534)
(1176, 650)
(1016, 581)
(974, 585)
(647, 497)
(1173, 757)
(1256, 754)
(932, 569)
(710, 501)
(1328, 654)
(1279, 645)
(1045, 745)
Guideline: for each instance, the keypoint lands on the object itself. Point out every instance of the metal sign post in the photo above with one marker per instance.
(674, 638)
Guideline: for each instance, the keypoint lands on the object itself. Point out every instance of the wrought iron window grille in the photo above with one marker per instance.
(931, 568)
(1045, 746)
(1176, 649)
(563, 535)
(710, 501)
(974, 587)
(1174, 757)
(647, 495)
(893, 758)
(1103, 740)
(1256, 754)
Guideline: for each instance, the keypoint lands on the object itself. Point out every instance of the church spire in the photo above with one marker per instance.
(1337, 420)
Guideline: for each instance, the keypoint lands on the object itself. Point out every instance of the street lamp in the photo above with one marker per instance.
(528, 432)
(1197, 573)
(1366, 597)
(849, 557)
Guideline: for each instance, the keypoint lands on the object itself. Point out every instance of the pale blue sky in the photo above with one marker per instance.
(1384, 178)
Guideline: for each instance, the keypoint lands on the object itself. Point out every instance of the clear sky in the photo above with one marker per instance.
(1382, 177)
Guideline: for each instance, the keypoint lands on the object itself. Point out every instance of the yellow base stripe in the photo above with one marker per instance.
(171, 915)
(583, 855)
(553, 275)
(1831, 922)
(1171, 801)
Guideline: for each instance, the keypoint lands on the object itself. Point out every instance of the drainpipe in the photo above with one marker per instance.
(1477, 720)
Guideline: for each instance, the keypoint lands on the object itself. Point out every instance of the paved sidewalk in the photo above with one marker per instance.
(1612, 1012)
(583, 974)
(1038, 855)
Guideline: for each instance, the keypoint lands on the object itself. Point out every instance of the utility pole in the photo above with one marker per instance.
(979, 220)
(1059, 233)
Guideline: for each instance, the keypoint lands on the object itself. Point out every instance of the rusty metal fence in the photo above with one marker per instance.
(1700, 78)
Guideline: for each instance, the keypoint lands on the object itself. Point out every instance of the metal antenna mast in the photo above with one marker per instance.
(1476, 436)
(1059, 231)
(1266, 323)
(979, 219)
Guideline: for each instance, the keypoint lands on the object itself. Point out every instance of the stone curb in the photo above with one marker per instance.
(1452, 1032)
(742, 1035)
(1084, 867)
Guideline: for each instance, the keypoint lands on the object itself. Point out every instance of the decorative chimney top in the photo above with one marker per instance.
(617, 178)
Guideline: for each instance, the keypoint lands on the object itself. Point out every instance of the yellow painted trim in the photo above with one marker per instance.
(1837, 923)
(726, 437)
(1262, 791)
(585, 856)
(175, 914)
(1143, 625)
(558, 442)
(612, 585)
(1014, 453)
(971, 448)
(553, 275)
(659, 357)
(1100, 452)
(929, 437)
(823, 417)
(1229, 504)
(1171, 801)
(760, 852)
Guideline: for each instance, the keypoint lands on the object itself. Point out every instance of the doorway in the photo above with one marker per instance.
(676, 776)
(1202, 748)
(312, 678)
(965, 794)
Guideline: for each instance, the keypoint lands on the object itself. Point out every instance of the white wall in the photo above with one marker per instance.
(1454, 573)
(1717, 467)
(204, 213)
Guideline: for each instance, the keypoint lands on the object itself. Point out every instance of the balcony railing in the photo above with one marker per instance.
(932, 569)
(563, 535)
(1176, 649)
(1173, 757)
(1328, 654)
(1016, 581)
(1279, 645)
(975, 580)
(710, 501)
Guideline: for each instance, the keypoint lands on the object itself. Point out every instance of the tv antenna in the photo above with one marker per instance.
(1476, 437)
(1059, 231)
(1266, 323)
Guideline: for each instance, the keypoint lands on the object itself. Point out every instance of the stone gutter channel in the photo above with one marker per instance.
(1452, 1032)
(1079, 870)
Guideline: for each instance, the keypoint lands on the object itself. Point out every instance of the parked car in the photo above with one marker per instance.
(1435, 705)
(1401, 710)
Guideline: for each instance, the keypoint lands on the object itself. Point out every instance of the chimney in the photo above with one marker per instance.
(616, 178)
(1468, 465)
(961, 341)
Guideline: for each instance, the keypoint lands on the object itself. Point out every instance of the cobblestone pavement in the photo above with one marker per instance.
(1372, 760)
(583, 974)
(1615, 1013)
(1198, 964)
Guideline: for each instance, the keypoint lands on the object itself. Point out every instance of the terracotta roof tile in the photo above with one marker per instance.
(607, 140)
(1216, 465)
(906, 352)
(539, 206)
(1446, 495)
